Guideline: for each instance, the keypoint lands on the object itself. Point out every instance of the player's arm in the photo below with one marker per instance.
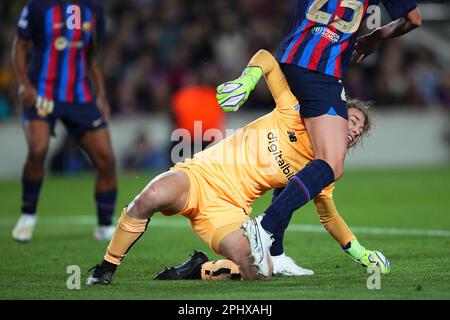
(93, 60)
(338, 229)
(21, 44)
(27, 92)
(275, 78)
(411, 19)
(99, 86)
(233, 94)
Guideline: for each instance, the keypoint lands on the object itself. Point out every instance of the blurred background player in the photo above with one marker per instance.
(314, 56)
(64, 37)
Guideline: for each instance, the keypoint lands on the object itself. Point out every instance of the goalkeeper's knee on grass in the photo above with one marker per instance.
(220, 270)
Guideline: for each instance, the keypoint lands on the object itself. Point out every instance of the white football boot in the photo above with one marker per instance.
(104, 233)
(23, 231)
(286, 266)
(260, 241)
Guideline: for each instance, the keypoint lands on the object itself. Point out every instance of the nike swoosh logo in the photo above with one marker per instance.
(97, 122)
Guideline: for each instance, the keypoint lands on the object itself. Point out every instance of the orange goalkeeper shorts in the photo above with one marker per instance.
(212, 214)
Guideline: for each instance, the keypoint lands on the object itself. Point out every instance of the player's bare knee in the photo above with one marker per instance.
(141, 205)
(154, 197)
(236, 248)
(106, 164)
(337, 165)
(37, 154)
(248, 271)
(338, 170)
(140, 208)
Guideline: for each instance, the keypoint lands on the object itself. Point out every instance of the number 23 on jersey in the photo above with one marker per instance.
(315, 14)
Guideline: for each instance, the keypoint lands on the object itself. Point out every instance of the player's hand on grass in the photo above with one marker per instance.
(233, 94)
(377, 259)
(368, 258)
(27, 95)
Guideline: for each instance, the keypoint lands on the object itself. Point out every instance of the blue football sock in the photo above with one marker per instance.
(276, 193)
(277, 247)
(30, 195)
(302, 187)
(106, 202)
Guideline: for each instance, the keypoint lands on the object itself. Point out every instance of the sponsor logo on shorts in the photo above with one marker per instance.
(343, 95)
(97, 123)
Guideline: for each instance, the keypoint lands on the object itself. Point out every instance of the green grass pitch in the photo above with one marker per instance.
(393, 210)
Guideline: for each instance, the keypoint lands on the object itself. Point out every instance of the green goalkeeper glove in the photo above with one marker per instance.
(366, 257)
(232, 95)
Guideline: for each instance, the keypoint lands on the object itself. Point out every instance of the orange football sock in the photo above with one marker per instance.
(128, 231)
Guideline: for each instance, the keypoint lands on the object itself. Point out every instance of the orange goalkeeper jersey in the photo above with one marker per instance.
(266, 153)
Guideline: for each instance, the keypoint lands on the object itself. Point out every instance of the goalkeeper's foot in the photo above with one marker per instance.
(102, 274)
(189, 270)
(23, 231)
(169, 273)
(286, 266)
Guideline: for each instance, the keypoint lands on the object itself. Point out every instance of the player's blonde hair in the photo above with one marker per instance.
(362, 106)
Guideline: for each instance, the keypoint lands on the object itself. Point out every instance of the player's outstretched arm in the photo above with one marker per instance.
(233, 94)
(367, 44)
(336, 226)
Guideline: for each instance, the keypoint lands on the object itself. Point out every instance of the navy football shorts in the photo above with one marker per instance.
(78, 118)
(317, 93)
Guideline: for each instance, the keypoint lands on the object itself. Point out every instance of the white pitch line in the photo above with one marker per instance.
(183, 223)
(374, 230)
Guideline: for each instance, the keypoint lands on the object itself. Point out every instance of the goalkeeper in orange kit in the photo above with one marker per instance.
(215, 189)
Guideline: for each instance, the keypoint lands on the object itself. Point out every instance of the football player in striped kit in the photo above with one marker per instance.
(64, 37)
(314, 56)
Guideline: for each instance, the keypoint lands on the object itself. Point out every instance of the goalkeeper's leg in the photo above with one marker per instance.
(235, 247)
(168, 192)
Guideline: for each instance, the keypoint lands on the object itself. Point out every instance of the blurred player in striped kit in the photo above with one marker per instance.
(64, 36)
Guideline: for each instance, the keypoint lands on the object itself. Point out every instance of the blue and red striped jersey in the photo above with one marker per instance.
(62, 33)
(322, 33)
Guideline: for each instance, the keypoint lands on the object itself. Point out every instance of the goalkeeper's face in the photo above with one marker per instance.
(356, 125)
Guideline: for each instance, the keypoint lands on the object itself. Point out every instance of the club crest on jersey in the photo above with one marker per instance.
(87, 26)
(292, 136)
